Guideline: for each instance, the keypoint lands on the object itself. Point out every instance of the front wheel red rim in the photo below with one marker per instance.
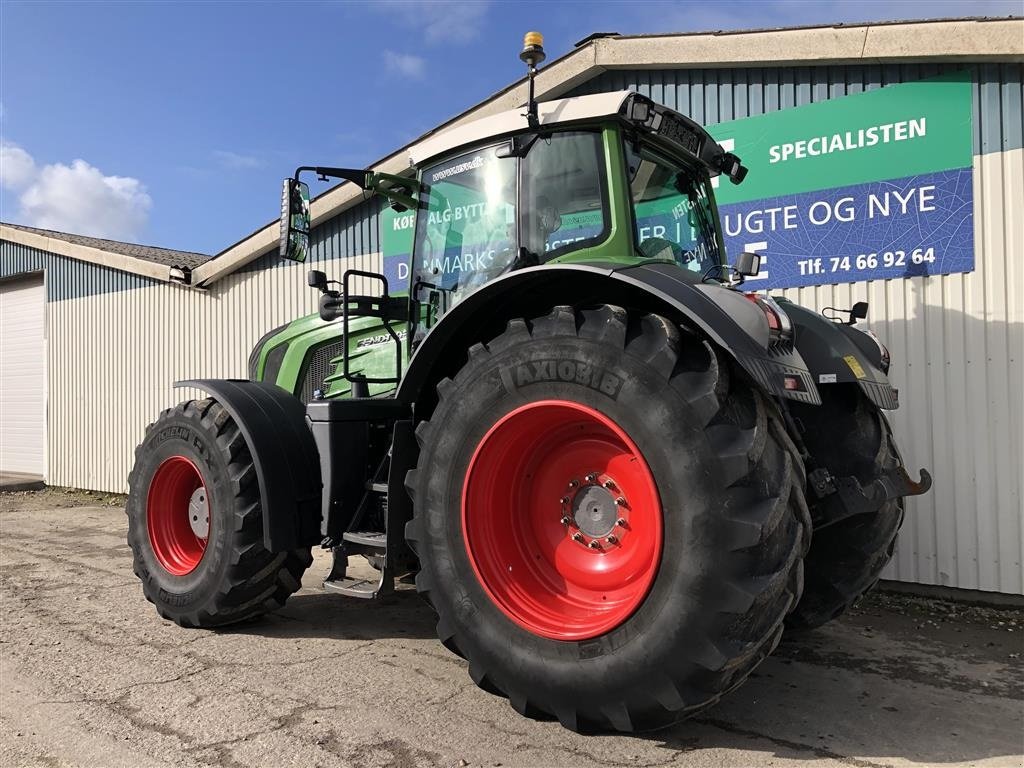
(562, 520)
(175, 507)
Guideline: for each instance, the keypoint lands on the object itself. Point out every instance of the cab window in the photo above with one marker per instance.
(673, 211)
(563, 197)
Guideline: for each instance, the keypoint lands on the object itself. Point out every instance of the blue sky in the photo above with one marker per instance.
(173, 123)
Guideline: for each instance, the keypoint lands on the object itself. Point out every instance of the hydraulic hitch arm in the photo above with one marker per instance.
(843, 497)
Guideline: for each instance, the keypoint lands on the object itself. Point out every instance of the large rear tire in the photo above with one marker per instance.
(848, 435)
(195, 522)
(684, 528)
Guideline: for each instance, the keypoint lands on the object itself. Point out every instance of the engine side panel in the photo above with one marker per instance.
(300, 357)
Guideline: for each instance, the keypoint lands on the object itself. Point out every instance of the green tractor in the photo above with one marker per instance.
(614, 474)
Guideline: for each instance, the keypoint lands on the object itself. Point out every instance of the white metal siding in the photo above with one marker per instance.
(22, 376)
(114, 357)
(957, 343)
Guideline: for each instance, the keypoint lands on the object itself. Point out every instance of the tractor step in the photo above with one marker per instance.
(366, 589)
(377, 487)
(368, 539)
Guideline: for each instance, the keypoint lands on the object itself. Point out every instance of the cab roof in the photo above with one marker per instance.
(575, 109)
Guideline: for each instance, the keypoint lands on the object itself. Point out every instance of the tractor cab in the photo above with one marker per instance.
(609, 180)
(610, 177)
(591, 183)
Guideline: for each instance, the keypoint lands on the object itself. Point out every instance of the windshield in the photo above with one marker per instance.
(465, 231)
(672, 207)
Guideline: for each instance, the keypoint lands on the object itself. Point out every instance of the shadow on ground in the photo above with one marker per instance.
(326, 615)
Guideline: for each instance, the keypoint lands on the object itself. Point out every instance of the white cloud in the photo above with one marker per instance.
(17, 168)
(441, 21)
(76, 198)
(235, 162)
(404, 64)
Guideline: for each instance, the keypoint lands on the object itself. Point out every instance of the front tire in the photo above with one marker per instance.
(195, 522)
(690, 596)
(848, 435)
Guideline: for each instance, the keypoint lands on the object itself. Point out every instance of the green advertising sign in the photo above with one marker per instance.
(872, 186)
(894, 132)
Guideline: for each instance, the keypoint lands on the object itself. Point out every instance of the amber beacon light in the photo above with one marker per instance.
(533, 49)
(532, 55)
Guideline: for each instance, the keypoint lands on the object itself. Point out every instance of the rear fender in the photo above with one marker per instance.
(273, 423)
(841, 354)
(722, 315)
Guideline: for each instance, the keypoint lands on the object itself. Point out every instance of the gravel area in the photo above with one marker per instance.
(91, 676)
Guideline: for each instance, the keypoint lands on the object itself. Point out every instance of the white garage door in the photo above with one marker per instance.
(22, 377)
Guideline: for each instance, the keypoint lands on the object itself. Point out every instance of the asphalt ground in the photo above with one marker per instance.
(91, 676)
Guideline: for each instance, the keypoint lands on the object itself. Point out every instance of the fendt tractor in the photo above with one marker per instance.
(614, 474)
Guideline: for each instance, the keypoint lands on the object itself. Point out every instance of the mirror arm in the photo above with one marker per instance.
(399, 190)
(723, 272)
(355, 175)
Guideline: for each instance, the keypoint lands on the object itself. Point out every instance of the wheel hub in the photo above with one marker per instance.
(199, 513)
(594, 511)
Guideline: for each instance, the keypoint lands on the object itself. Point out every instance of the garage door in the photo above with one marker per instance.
(22, 377)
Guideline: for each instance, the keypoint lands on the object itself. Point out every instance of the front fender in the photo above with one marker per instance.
(284, 455)
(721, 314)
(841, 354)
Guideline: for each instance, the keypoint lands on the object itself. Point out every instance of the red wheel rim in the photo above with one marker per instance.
(177, 546)
(562, 520)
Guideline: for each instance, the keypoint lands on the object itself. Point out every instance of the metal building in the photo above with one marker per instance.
(94, 332)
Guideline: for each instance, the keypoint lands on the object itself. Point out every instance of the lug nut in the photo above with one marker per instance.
(621, 501)
(595, 544)
(591, 478)
(574, 483)
(565, 499)
(566, 519)
(621, 522)
(577, 537)
(612, 539)
(608, 484)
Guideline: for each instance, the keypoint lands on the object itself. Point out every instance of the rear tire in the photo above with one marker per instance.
(848, 435)
(195, 452)
(728, 511)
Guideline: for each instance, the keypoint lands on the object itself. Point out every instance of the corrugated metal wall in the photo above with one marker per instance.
(113, 358)
(712, 96)
(114, 353)
(957, 341)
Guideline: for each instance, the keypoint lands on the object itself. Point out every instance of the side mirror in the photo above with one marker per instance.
(859, 312)
(295, 220)
(316, 279)
(748, 264)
